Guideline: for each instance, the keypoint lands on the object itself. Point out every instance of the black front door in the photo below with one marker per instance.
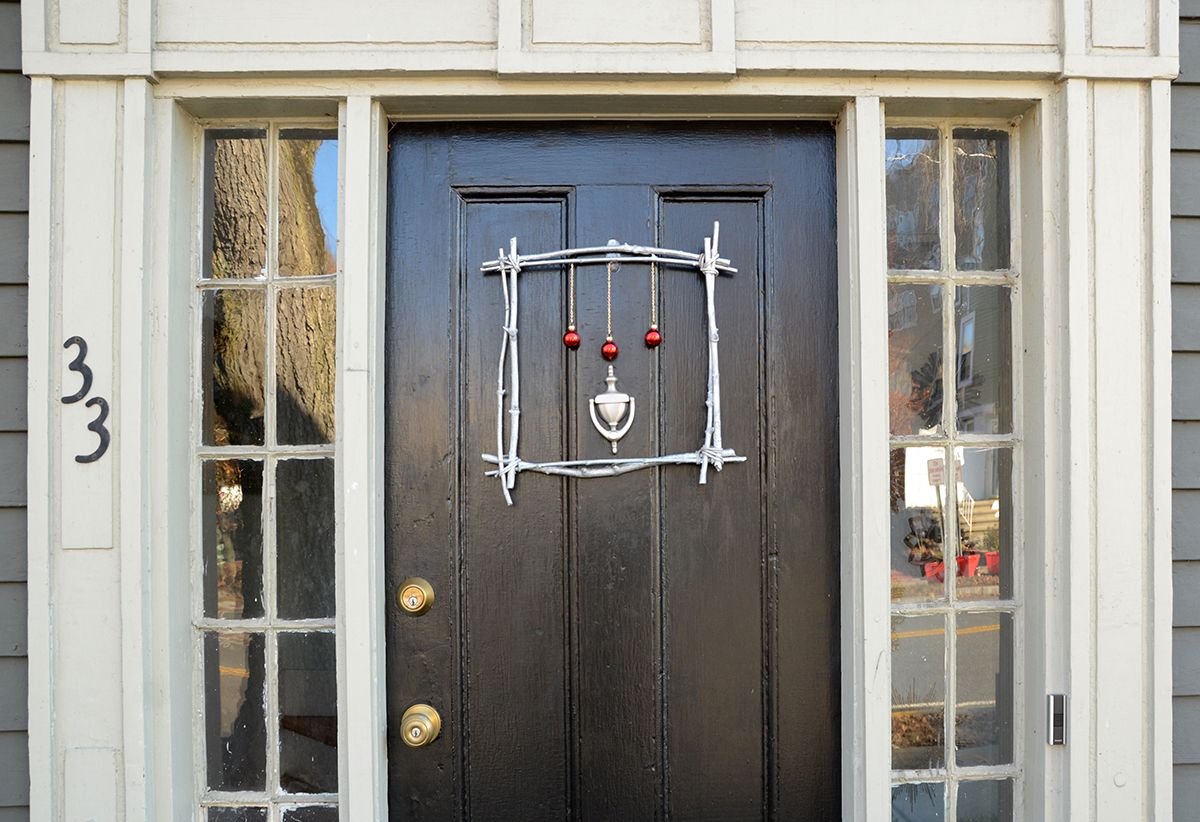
(632, 647)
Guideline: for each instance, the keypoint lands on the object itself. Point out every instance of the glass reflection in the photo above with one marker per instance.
(985, 801)
(304, 530)
(983, 716)
(983, 379)
(305, 358)
(984, 524)
(233, 547)
(312, 813)
(234, 366)
(918, 692)
(912, 161)
(237, 815)
(235, 203)
(918, 497)
(308, 199)
(981, 218)
(308, 713)
(234, 713)
(919, 802)
(915, 350)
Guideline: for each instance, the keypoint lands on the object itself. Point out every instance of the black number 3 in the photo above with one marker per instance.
(79, 365)
(97, 426)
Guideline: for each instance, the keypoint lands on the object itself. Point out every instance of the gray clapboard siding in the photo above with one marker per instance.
(1185, 468)
(1185, 386)
(14, 243)
(1187, 730)
(14, 693)
(1185, 317)
(14, 266)
(1185, 249)
(12, 472)
(14, 98)
(14, 320)
(1189, 51)
(13, 404)
(13, 556)
(13, 606)
(1186, 662)
(14, 780)
(1185, 524)
(1187, 789)
(1187, 603)
(1185, 183)
(14, 175)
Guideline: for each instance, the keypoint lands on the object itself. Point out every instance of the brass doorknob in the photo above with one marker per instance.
(420, 725)
(415, 596)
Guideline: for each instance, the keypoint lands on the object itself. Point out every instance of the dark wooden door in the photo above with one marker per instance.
(625, 648)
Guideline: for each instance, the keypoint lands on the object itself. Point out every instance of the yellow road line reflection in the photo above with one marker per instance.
(971, 629)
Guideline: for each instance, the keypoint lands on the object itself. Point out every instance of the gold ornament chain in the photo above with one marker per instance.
(571, 296)
(610, 271)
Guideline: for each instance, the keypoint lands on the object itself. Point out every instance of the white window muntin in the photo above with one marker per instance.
(270, 453)
(951, 440)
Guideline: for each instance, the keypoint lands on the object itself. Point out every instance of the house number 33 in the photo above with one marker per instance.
(96, 426)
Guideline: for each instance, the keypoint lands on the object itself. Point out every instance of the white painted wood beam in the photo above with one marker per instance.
(863, 400)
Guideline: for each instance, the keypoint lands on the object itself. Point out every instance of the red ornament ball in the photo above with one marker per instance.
(609, 350)
(653, 337)
(571, 339)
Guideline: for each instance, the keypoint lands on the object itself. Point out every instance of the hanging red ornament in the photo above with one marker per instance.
(653, 336)
(609, 350)
(571, 339)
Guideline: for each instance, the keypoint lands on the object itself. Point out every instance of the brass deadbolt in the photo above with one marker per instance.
(420, 725)
(415, 596)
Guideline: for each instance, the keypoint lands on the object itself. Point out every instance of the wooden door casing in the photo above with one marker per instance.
(633, 647)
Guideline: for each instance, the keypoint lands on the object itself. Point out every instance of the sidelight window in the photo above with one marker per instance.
(953, 551)
(264, 572)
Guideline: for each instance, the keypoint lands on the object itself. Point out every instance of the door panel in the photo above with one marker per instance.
(638, 646)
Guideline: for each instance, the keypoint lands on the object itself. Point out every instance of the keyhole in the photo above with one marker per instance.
(412, 602)
(415, 733)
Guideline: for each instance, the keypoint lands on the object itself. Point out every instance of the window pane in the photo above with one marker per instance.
(983, 717)
(985, 801)
(918, 495)
(237, 815)
(313, 813)
(913, 159)
(923, 802)
(915, 350)
(981, 233)
(305, 535)
(235, 203)
(233, 534)
(235, 718)
(918, 692)
(983, 316)
(234, 365)
(305, 356)
(308, 713)
(308, 201)
(985, 524)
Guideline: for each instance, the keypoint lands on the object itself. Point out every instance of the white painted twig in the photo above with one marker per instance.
(500, 388)
(587, 469)
(514, 393)
(606, 254)
(712, 430)
(712, 452)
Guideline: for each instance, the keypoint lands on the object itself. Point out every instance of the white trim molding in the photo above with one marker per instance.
(1093, 161)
